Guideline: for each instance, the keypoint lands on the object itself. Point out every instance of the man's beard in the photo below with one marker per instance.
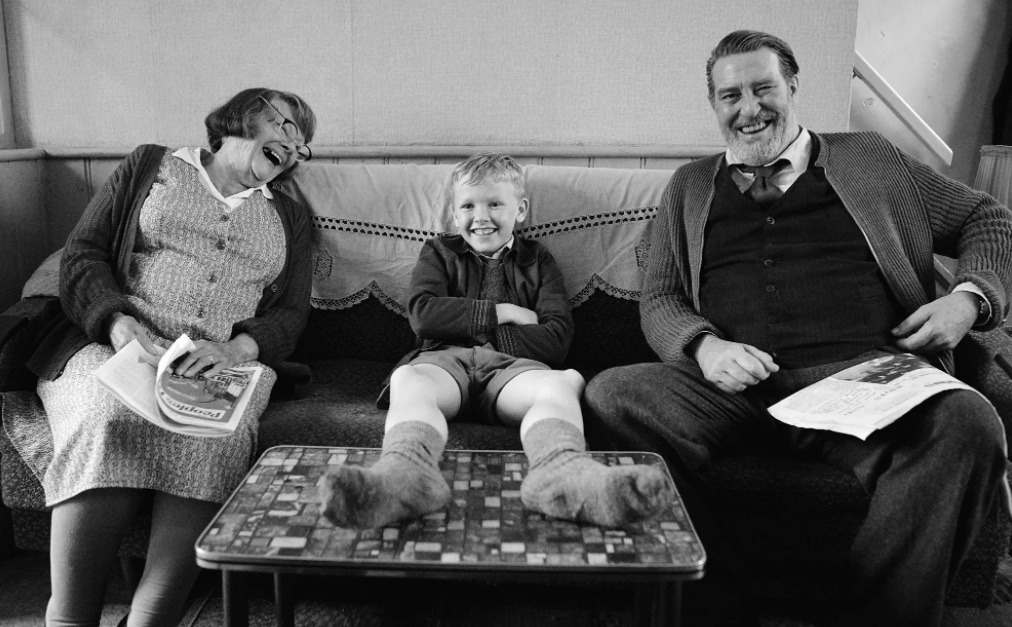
(761, 152)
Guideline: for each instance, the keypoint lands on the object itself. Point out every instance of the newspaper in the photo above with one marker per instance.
(198, 406)
(866, 397)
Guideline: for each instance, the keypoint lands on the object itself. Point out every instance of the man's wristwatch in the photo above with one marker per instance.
(983, 310)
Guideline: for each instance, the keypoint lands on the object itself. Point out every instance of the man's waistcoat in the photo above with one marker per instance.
(797, 280)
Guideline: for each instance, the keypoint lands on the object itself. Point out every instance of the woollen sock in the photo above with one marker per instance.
(404, 483)
(565, 482)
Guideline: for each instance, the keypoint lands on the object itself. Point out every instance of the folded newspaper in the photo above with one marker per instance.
(198, 406)
(866, 397)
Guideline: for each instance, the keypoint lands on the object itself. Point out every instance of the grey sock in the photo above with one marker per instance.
(565, 482)
(405, 483)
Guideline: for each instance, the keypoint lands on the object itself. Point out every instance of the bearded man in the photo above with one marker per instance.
(787, 258)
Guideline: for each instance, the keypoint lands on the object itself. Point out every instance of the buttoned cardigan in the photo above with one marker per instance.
(906, 211)
(96, 259)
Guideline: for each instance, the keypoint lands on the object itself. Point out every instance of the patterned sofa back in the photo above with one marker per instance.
(371, 220)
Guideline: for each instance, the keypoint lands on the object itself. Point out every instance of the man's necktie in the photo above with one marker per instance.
(762, 190)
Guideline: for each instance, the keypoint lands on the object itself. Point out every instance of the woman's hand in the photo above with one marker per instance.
(124, 329)
(209, 358)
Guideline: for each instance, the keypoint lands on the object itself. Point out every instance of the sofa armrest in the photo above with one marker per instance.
(979, 360)
(20, 329)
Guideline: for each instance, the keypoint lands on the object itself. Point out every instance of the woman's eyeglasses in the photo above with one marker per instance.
(291, 132)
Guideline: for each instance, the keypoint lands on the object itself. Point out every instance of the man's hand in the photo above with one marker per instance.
(515, 314)
(209, 358)
(939, 325)
(124, 329)
(732, 366)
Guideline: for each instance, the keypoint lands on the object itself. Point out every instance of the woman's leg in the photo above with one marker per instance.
(563, 480)
(171, 566)
(86, 533)
(406, 481)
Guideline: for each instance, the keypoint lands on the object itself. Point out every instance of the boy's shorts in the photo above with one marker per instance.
(481, 373)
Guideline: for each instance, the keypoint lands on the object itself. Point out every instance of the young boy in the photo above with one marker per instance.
(491, 309)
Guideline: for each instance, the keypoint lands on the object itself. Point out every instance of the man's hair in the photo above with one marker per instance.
(489, 166)
(741, 41)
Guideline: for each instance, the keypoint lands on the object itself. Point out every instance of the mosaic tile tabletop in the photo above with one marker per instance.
(274, 519)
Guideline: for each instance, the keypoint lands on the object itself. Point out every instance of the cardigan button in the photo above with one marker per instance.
(274, 287)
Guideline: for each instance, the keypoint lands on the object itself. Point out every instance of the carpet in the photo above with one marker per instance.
(399, 603)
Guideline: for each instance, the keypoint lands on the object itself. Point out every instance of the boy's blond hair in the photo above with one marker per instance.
(489, 166)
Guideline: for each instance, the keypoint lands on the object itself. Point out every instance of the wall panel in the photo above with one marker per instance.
(23, 229)
(117, 73)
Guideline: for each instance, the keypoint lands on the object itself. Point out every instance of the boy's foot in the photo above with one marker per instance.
(405, 483)
(564, 482)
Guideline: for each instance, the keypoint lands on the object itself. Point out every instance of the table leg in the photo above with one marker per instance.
(658, 605)
(284, 609)
(235, 599)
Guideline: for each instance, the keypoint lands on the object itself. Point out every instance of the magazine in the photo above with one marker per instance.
(198, 406)
(866, 397)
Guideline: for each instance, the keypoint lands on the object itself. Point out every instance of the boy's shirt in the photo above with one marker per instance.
(445, 307)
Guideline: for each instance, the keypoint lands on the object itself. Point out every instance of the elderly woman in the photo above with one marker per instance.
(180, 241)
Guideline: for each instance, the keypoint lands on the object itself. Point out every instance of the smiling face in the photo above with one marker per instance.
(269, 152)
(755, 105)
(485, 213)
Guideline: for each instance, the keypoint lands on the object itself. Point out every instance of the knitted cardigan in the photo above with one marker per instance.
(445, 307)
(96, 260)
(905, 209)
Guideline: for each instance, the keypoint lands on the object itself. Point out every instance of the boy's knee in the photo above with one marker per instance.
(552, 382)
(572, 378)
(404, 375)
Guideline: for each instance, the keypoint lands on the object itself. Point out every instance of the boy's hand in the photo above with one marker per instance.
(515, 314)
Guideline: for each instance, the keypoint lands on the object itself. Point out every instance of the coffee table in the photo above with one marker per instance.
(273, 524)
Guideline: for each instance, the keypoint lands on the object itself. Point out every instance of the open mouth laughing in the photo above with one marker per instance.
(273, 156)
(754, 128)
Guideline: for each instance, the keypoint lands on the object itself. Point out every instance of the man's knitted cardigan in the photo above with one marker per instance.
(905, 209)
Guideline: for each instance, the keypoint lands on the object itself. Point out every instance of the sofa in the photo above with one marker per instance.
(795, 520)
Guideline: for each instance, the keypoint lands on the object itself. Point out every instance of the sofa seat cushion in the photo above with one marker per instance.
(24, 452)
(341, 411)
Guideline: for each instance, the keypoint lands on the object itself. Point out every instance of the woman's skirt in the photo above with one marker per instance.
(99, 443)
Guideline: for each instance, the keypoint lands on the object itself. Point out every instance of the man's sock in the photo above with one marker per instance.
(405, 483)
(564, 482)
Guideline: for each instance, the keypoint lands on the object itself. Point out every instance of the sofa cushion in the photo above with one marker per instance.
(45, 281)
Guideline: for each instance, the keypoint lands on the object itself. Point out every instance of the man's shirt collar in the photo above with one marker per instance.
(799, 152)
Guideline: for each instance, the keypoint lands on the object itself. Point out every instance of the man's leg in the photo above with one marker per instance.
(672, 410)
(406, 481)
(563, 481)
(933, 476)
